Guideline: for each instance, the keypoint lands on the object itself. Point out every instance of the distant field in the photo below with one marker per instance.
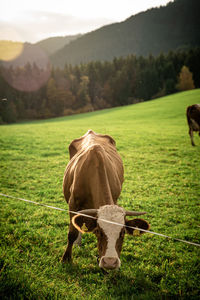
(162, 177)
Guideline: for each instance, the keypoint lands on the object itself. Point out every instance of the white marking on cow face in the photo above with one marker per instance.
(114, 214)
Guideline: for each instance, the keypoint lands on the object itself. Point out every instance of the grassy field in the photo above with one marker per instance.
(162, 177)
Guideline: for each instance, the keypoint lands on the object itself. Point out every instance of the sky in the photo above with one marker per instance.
(35, 20)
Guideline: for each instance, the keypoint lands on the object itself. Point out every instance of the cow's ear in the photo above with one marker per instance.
(72, 150)
(137, 223)
(111, 140)
(84, 224)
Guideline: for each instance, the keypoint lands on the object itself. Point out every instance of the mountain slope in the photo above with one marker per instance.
(19, 54)
(54, 44)
(156, 30)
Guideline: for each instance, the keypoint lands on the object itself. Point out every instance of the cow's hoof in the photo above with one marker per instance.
(66, 259)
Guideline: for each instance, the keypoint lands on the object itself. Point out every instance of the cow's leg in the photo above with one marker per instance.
(72, 236)
(191, 136)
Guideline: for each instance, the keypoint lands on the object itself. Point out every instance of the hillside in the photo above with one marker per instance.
(157, 30)
(53, 44)
(162, 176)
(171, 27)
(19, 54)
(94, 86)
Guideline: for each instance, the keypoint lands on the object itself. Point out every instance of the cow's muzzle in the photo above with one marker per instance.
(110, 263)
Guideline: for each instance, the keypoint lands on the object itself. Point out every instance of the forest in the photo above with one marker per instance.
(29, 93)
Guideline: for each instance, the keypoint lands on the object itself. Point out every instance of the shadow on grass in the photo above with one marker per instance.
(113, 285)
(78, 116)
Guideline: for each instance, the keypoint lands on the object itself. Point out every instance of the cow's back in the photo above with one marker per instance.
(94, 175)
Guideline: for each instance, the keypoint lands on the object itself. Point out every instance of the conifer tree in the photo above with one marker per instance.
(185, 80)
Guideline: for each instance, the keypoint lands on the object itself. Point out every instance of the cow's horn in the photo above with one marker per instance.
(135, 213)
(90, 212)
(75, 225)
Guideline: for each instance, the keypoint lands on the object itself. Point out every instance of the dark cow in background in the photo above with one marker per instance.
(193, 118)
(92, 184)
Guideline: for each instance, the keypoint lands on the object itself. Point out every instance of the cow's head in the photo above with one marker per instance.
(109, 234)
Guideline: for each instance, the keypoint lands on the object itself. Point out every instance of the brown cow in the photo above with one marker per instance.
(92, 184)
(193, 118)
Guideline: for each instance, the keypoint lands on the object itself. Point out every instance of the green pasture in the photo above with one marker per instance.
(162, 177)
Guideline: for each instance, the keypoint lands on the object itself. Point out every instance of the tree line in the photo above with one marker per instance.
(95, 85)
